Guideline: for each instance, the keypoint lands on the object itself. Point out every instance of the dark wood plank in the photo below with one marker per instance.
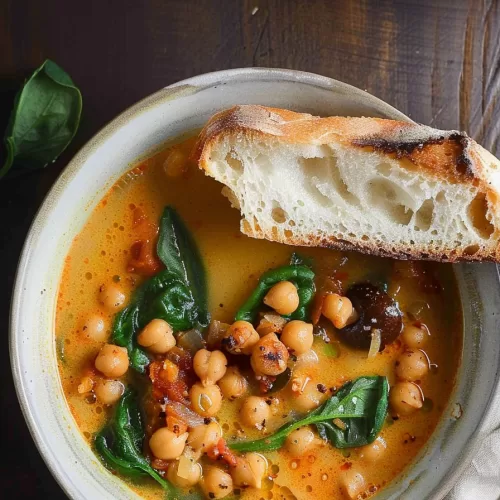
(436, 60)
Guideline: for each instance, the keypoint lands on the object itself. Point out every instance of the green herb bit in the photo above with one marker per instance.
(331, 350)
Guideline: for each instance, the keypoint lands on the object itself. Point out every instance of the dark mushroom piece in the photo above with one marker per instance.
(376, 310)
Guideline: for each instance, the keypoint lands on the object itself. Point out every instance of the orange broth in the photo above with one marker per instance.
(234, 262)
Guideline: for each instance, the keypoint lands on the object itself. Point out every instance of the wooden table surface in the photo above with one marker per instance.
(437, 61)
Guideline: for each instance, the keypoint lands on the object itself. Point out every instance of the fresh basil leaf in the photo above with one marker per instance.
(119, 444)
(45, 118)
(361, 405)
(177, 249)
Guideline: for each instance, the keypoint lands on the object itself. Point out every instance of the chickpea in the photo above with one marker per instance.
(405, 398)
(306, 395)
(157, 336)
(216, 483)
(255, 412)
(411, 366)
(269, 356)
(94, 328)
(206, 401)
(299, 441)
(111, 296)
(112, 360)
(233, 384)
(353, 483)
(415, 337)
(190, 470)
(298, 336)
(108, 392)
(203, 437)
(209, 366)
(338, 310)
(283, 297)
(167, 445)
(240, 338)
(374, 451)
(249, 470)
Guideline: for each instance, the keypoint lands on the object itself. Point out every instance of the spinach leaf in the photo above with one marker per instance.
(120, 442)
(177, 294)
(177, 249)
(366, 398)
(125, 328)
(361, 406)
(165, 296)
(301, 276)
(45, 118)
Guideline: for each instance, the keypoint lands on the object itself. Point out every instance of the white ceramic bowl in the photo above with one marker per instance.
(166, 114)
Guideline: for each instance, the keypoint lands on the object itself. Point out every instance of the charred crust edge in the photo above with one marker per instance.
(404, 149)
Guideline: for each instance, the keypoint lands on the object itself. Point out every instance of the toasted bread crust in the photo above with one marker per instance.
(447, 156)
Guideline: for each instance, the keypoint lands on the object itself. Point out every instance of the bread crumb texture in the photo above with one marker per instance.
(380, 186)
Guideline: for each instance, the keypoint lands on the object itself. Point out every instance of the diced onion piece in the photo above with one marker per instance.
(276, 320)
(375, 343)
(216, 332)
(307, 359)
(184, 468)
(191, 340)
(191, 418)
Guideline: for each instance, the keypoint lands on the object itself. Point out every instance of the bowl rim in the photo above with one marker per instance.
(199, 83)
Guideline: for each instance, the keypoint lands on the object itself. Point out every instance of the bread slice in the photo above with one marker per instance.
(379, 186)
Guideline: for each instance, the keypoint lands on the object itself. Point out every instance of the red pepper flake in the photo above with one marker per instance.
(143, 258)
(346, 466)
(266, 384)
(160, 464)
(221, 452)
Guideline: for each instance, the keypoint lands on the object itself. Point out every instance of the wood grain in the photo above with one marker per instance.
(436, 60)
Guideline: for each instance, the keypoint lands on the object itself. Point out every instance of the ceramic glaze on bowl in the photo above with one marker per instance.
(169, 113)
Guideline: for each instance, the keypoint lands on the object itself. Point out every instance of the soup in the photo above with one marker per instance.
(203, 363)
